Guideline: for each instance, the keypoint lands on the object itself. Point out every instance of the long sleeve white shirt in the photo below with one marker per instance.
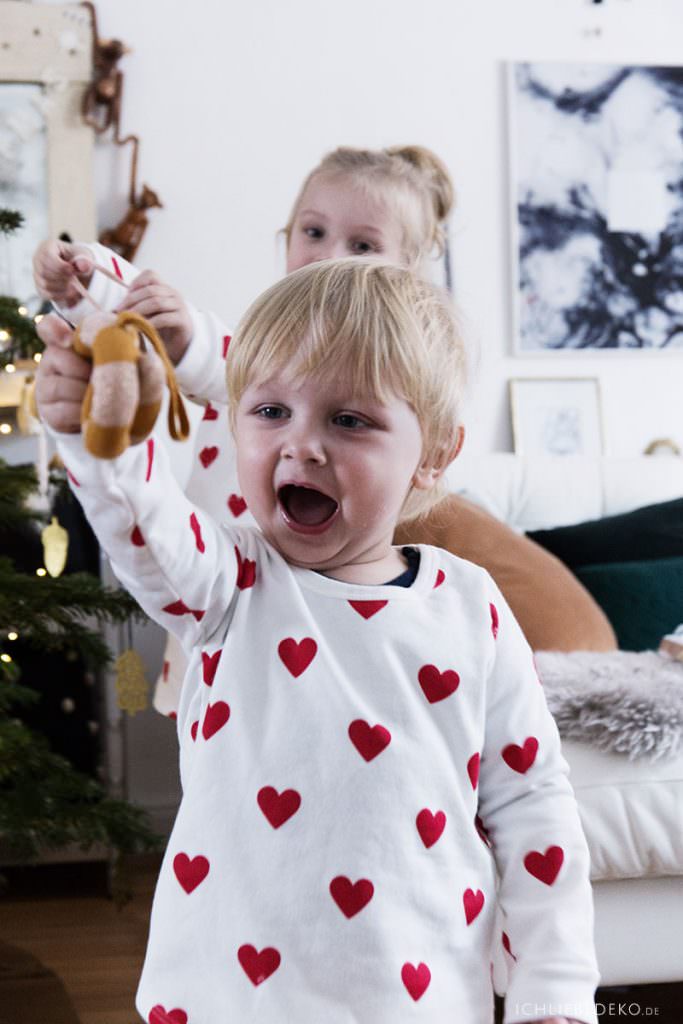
(337, 742)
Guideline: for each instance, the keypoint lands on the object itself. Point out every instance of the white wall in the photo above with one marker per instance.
(235, 102)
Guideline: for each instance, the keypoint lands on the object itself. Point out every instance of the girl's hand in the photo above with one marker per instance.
(165, 310)
(56, 265)
(61, 379)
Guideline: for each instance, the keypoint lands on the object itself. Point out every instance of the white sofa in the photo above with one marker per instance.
(632, 811)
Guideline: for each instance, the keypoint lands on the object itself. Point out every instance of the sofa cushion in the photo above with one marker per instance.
(631, 812)
(655, 531)
(642, 600)
(554, 610)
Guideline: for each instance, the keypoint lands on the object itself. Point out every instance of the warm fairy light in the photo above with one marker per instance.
(10, 368)
(5, 657)
(38, 317)
(4, 335)
(13, 635)
(41, 572)
(37, 356)
(22, 310)
(5, 428)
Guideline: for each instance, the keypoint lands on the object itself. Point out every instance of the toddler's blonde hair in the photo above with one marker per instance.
(411, 180)
(379, 326)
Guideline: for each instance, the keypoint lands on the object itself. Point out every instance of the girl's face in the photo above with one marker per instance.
(337, 218)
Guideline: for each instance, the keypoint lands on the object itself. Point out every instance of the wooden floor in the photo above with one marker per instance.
(62, 915)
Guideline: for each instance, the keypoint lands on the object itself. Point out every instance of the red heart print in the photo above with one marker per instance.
(296, 657)
(173, 715)
(215, 718)
(506, 945)
(437, 685)
(190, 872)
(482, 831)
(150, 459)
(473, 902)
(165, 670)
(208, 455)
(258, 966)
(226, 344)
(278, 807)
(473, 769)
(193, 729)
(368, 740)
(416, 979)
(137, 538)
(158, 1015)
(246, 571)
(545, 866)
(367, 608)
(209, 666)
(494, 620)
(71, 477)
(180, 608)
(440, 577)
(197, 531)
(520, 759)
(430, 826)
(210, 413)
(350, 896)
(237, 505)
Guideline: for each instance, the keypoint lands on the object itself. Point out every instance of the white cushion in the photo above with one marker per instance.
(631, 811)
(540, 493)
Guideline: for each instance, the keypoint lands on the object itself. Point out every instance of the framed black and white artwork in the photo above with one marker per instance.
(596, 155)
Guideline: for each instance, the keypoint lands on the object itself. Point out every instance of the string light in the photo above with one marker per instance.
(6, 658)
(38, 317)
(22, 310)
(13, 635)
(10, 368)
(37, 356)
(41, 572)
(5, 428)
(4, 335)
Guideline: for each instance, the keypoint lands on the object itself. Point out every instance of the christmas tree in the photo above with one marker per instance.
(48, 626)
(45, 803)
(18, 337)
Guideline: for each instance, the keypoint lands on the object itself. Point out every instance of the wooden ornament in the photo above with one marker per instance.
(131, 683)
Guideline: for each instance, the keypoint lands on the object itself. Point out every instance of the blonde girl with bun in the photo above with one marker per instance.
(390, 203)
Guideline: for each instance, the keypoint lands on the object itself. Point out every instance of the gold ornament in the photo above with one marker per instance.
(55, 547)
(131, 684)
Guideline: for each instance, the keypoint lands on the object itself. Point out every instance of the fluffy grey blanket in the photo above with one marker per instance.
(627, 703)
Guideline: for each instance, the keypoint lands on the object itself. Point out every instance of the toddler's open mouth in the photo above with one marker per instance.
(306, 509)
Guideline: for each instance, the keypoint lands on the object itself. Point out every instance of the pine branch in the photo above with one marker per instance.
(16, 484)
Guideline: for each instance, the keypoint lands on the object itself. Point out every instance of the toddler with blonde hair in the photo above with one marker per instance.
(368, 764)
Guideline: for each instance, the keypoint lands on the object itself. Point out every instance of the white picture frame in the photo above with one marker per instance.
(46, 63)
(554, 416)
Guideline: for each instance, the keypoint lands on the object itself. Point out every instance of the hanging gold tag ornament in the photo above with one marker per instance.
(55, 547)
(131, 684)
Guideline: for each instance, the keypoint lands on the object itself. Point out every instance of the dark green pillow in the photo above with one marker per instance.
(642, 600)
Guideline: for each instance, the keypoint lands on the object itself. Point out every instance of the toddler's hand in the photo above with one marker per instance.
(56, 265)
(61, 379)
(165, 310)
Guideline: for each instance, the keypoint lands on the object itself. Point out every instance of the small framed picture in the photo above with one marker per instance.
(556, 416)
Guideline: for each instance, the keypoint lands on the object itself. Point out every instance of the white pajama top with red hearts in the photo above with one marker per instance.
(362, 766)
